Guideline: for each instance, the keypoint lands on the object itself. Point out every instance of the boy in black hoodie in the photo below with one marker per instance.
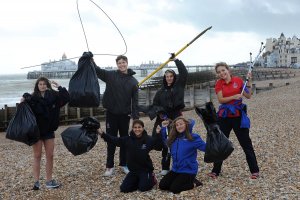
(138, 145)
(120, 98)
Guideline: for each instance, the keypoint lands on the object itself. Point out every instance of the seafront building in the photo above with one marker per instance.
(61, 65)
(282, 52)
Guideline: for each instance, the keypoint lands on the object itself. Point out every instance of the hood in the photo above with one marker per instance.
(130, 72)
(164, 79)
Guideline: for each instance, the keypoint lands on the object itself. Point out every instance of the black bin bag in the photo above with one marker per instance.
(84, 87)
(82, 138)
(23, 127)
(218, 146)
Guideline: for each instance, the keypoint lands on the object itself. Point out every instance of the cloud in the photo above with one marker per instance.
(33, 31)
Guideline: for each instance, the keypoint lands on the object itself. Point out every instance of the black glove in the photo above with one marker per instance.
(172, 56)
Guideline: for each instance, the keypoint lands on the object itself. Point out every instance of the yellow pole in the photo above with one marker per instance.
(176, 54)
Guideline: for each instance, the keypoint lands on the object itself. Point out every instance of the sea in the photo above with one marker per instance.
(12, 87)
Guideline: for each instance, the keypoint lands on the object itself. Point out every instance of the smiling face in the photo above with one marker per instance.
(180, 126)
(122, 65)
(223, 72)
(138, 130)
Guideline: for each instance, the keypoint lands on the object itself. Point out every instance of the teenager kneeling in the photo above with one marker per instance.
(138, 145)
(183, 145)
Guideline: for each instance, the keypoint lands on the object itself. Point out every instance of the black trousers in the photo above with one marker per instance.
(242, 134)
(166, 156)
(177, 182)
(114, 124)
(142, 181)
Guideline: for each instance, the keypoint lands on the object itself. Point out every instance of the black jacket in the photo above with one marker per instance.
(170, 99)
(121, 92)
(46, 109)
(137, 149)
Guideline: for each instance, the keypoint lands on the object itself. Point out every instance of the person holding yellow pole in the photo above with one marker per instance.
(169, 102)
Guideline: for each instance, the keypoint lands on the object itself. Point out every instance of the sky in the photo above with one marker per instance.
(37, 31)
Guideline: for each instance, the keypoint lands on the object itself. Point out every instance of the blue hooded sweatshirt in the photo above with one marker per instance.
(184, 151)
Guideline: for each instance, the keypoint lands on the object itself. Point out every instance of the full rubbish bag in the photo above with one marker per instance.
(82, 138)
(218, 146)
(23, 126)
(84, 87)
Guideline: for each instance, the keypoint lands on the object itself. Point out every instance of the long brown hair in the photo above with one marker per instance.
(36, 91)
(174, 133)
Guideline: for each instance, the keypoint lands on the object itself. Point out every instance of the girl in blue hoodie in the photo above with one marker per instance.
(183, 145)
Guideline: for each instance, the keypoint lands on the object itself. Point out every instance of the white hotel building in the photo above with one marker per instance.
(282, 52)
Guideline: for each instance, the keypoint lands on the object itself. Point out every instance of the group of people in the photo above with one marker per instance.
(172, 133)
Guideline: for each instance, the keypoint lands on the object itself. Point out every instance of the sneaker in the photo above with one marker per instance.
(52, 184)
(125, 169)
(164, 172)
(213, 175)
(109, 172)
(36, 185)
(254, 175)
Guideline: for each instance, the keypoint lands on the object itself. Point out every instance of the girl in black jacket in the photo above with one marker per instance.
(138, 145)
(168, 103)
(45, 104)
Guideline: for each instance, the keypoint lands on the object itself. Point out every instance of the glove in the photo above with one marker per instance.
(172, 56)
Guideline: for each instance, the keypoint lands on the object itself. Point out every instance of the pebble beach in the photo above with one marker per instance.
(275, 134)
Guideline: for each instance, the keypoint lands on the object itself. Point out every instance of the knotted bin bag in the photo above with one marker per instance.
(84, 87)
(82, 138)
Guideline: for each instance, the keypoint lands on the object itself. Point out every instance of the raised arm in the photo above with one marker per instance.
(118, 141)
(183, 73)
(199, 143)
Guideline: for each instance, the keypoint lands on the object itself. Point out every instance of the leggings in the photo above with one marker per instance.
(177, 182)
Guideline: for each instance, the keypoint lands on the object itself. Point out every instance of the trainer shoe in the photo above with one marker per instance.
(36, 185)
(125, 169)
(109, 171)
(254, 175)
(52, 184)
(164, 172)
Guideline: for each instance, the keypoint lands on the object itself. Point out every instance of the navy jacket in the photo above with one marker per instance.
(121, 92)
(137, 149)
(47, 109)
(170, 99)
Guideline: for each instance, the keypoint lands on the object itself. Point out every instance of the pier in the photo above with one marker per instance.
(141, 71)
(196, 94)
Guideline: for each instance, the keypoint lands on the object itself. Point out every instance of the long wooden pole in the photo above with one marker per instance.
(176, 54)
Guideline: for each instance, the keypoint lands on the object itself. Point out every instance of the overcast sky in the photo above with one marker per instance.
(36, 31)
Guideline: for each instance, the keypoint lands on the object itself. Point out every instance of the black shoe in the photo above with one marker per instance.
(36, 185)
(197, 183)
